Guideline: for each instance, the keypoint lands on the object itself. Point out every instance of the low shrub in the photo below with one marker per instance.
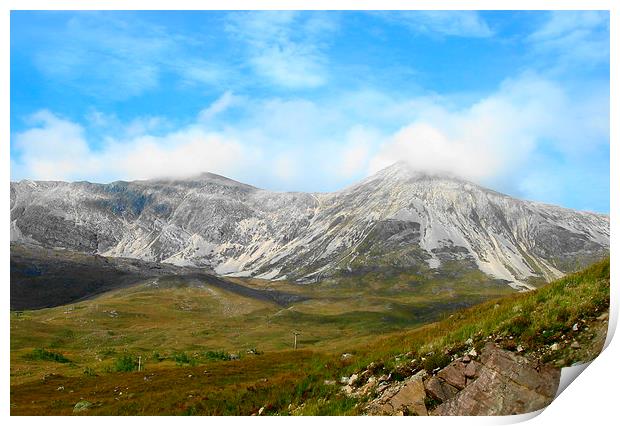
(126, 363)
(181, 358)
(216, 355)
(156, 356)
(435, 360)
(45, 355)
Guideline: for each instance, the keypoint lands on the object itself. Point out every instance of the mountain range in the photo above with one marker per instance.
(395, 220)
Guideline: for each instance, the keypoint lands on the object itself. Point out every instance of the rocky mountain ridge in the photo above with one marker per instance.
(397, 219)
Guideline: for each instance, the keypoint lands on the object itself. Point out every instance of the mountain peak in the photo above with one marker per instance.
(403, 171)
(405, 218)
(202, 178)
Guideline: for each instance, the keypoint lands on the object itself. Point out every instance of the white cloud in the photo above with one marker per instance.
(498, 135)
(57, 149)
(52, 149)
(285, 166)
(459, 23)
(290, 120)
(299, 144)
(285, 47)
(562, 23)
(143, 125)
(197, 71)
(290, 65)
(99, 118)
(113, 127)
(184, 153)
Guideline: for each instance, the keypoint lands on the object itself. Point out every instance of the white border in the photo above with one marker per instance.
(591, 400)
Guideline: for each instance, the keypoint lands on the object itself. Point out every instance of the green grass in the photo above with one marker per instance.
(278, 378)
(532, 319)
(178, 318)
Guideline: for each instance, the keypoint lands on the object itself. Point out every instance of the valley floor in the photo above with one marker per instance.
(208, 351)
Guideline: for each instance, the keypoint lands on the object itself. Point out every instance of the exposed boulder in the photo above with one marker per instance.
(369, 386)
(352, 379)
(406, 398)
(471, 371)
(439, 390)
(495, 382)
(82, 406)
(507, 384)
(454, 374)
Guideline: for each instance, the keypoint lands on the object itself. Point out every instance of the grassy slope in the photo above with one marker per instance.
(171, 316)
(276, 378)
(532, 319)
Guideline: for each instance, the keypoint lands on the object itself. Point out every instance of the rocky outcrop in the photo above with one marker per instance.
(406, 398)
(454, 375)
(499, 382)
(439, 390)
(502, 384)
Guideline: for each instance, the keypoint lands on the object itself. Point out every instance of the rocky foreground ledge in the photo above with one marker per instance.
(493, 375)
(497, 382)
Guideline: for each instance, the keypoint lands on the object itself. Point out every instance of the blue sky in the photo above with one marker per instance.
(314, 101)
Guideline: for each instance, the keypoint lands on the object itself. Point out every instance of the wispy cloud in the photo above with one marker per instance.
(285, 47)
(221, 104)
(573, 37)
(109, 56)
(457, 23)
(356, 152)
(110, 125)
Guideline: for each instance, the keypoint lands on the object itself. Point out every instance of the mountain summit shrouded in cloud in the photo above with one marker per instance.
(397, 218)
(313, 101)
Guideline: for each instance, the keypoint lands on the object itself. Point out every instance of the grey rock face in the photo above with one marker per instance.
(396, 218)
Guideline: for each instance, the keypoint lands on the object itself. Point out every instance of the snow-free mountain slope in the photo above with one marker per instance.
(397, 219)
